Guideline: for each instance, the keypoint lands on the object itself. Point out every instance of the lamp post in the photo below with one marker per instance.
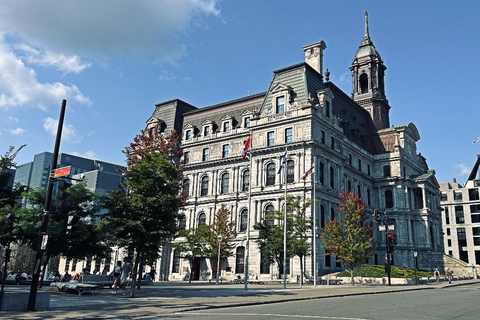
(219, 237)
(415, 256)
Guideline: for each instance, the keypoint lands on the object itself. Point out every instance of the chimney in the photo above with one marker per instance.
(454, 180)
(314, 55)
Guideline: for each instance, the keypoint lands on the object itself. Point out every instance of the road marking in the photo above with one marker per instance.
(265, 314)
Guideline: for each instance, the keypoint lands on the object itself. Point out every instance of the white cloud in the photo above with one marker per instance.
(69, 132)
(462, 169)
(87, 154)
(19, 85)
(12, 119)
(63, 63)
(167, 76)
(91, 28)
(17, 131)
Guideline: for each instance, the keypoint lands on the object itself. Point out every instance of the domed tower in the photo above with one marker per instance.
(368, 79)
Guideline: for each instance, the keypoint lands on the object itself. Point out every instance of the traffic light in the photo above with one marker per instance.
(62, 196)
(391, 241)
(70, 222)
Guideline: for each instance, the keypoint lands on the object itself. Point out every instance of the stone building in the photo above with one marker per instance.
(349, 140)
(461, 218)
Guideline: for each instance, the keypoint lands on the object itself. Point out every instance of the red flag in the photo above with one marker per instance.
(308, 172)
(246, 147)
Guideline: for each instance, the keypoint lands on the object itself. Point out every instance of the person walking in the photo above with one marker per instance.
(449, 275)
(437, 276)
(117, 271)
(126, 269)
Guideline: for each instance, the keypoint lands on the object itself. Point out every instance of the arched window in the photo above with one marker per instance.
(240, 260)
(245, 180)
(243, 220)
(322, 216)
(202, 219)
(290, 171)
(388, 198)
(359, 191)
(224, 184)
(332, 177)
(204, 186)
(182, 224)
(363, 83)
(176, 262)
(186, 187)
(349, 186)
(268, 210)
(368, 197)
(271, 173)
(332, 214)
(322, 173)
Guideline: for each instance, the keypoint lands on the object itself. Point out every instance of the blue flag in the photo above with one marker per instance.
(284, 160)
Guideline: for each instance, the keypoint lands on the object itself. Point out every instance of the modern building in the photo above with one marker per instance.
(347, 137)
(461, 218)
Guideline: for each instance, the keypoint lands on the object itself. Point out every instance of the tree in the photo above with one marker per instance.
(145, 216)
(350, 238)
(8, 196)
(211, 233)
(191, 244)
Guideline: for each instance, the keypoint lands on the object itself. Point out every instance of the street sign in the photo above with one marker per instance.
(62, 172)
(391, 227)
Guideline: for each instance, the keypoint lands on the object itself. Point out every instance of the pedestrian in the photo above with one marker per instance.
(17, 277)
(475, 273)
(117, 271)
(449, 275)
(126, 269)
(437, 276)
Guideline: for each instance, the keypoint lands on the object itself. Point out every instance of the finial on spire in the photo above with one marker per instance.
(366, 26)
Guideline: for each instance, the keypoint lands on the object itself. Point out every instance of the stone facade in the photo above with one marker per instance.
(347, 138)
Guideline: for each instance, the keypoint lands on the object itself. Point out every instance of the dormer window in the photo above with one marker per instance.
(226, 127)
(246, 123)
(280, 106)
(188, 135)
(206, 131)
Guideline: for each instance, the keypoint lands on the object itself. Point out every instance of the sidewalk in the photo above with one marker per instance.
(171, 297)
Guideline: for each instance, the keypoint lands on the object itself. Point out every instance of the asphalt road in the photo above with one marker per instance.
(458, 303)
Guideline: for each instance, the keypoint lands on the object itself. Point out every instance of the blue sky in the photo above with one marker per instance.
(113, 60)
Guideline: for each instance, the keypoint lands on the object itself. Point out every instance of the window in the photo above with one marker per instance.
(368, 169)
(188, 135)
(349, 186)
(290, 171)
(226, 127)
(473, 194)
(457, 195)
(388, 198)
(350, 159)
(264, 265)
(448, 231)
(224, 183)
(459, 215)
(447, 216)
(443, 197)
(281, 104)
(206, 154)
(322, 216)
(386, 171)
(322, 173)
(328, 259)
(182, 224)
(271, 173)
(225, 151)
(204, 186)
(271, 139)
(363, 83)
(368, 197)
(332, 214)
(202, 219)
(332, 143)
(243, 220)
(289, 135)
(327, 108)
(246, 122)
(240, 260)
(176, 262)
(245, 180)
(206, 131)
(322, 137)
(186, 187)
(359, 191)
(268, 211)
(360, 164)
(186, 156)
(474, 208)
(332, 177)
(461, 234)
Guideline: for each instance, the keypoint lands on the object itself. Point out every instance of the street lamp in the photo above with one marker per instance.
(219, 237)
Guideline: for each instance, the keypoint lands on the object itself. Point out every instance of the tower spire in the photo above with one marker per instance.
(366, 36)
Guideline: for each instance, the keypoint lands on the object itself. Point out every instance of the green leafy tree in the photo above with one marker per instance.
(191, 244)
(144, 217)
(350, 238)
(9, 196)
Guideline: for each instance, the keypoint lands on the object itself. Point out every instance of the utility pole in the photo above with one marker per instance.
(43, 229)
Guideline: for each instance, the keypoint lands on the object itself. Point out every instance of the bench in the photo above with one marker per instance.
(98, 280)
(78, 287)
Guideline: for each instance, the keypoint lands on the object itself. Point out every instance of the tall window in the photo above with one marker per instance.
(368, 197)
(322, 216)
(459, 215)
(268, 210)
(363, 83)
(264, 265)
(290, 171)
(332, 143)
(226, 127)
(332, 214)
(327, 108)
(202, 219)
(386, 171)
(187, 157)
(271, 139)
(204, 186)
(225, 182)
(288, 135)
(322, 137)
(322, 173)
(271, 173)
(360, 164)
(245, 180)
(243, 220)
(247, 122)
(206, 131)
(176, 262)
(188, 135)
(225, 151)
(206, 154)
(240, 260)
(182, 224)
(388, 198)
(332, 177)
(281, 104)
(186, 187)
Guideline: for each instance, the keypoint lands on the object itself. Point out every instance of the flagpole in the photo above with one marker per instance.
(285, 227)
(247, 249)
(314, 227)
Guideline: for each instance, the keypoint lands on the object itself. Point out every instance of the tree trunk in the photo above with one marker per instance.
(140, 271)
(44, 268)
(135, 268)
(301, 271)
(352, 281)
(191, 270)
